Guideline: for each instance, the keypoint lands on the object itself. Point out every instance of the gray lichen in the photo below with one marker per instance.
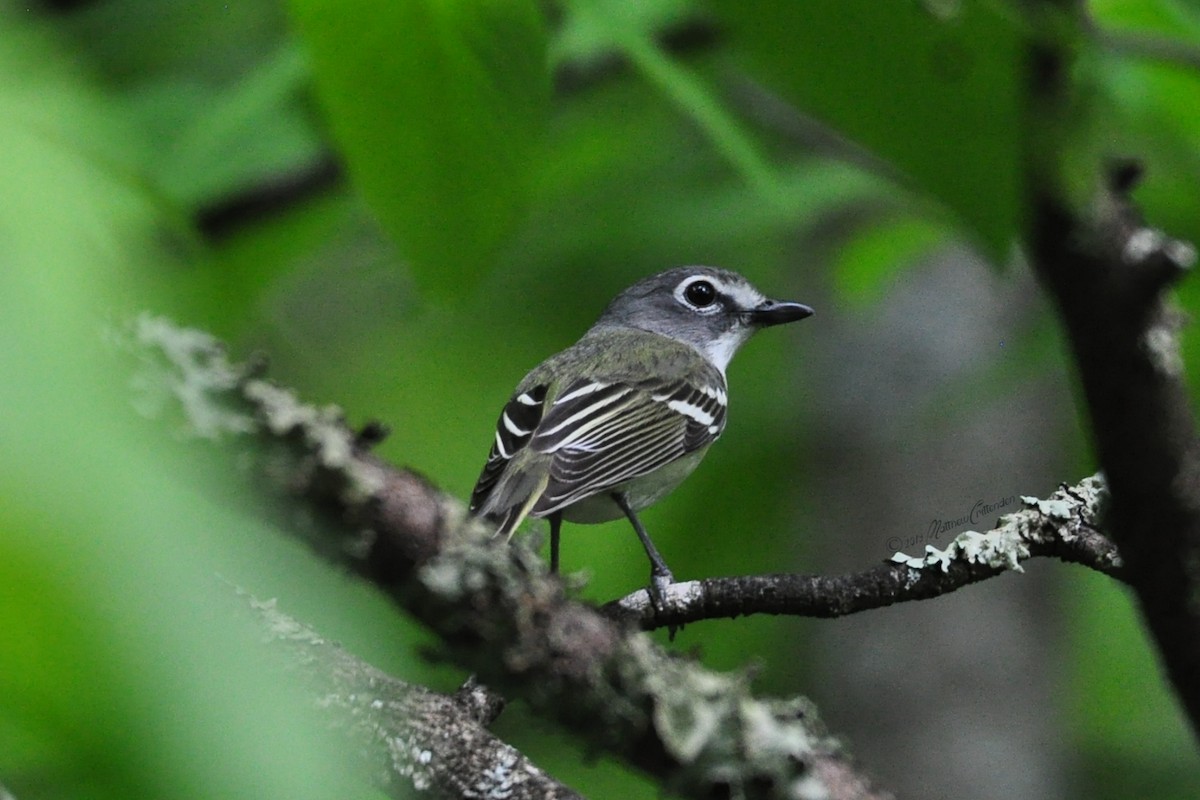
(1008, 544)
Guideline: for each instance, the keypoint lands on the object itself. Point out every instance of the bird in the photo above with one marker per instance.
(615, 422)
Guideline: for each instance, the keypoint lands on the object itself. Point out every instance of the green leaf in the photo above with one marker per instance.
(937, 95)
(1157, 16)
(438, 109)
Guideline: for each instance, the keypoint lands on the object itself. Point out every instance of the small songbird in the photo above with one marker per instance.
(615, 422)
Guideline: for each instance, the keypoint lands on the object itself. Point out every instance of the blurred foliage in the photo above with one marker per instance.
(483, 218)
(439, 125)
(941, 101)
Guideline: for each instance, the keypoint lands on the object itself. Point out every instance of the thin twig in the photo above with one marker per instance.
(1065, 526)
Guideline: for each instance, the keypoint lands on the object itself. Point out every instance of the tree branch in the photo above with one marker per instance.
(498, 613)
(1066, 526)
(409, 738)
(1108, 274)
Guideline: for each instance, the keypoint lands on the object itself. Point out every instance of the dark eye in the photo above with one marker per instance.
(700, 294)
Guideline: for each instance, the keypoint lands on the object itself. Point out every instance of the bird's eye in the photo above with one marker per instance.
(700, 294)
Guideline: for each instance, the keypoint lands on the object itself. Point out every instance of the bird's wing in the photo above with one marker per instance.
(592, 436)
(514, 429)
(603, 434)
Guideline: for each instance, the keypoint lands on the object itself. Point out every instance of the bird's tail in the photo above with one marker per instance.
(510, 518)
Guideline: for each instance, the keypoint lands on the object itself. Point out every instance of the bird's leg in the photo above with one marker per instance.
(660, 574)
(555, 528)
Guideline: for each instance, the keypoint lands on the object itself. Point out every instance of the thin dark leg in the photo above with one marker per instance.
(555, 528)
(659, 572)
(660, 575)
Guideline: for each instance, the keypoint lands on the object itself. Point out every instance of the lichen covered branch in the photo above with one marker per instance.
(409, 738)
(1109, 274)
(1066, 526)
(496, 611)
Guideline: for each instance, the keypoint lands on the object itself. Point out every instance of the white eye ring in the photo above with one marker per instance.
(700, 294)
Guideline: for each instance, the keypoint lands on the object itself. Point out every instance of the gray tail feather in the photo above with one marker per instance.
(506, 521)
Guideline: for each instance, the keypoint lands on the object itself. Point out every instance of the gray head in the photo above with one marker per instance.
(713, 310)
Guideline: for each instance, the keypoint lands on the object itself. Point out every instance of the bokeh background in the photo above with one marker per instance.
(406, 205)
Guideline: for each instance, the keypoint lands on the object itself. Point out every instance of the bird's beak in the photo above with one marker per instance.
(777, 312)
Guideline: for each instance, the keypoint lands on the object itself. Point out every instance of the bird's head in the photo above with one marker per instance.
(713, 310)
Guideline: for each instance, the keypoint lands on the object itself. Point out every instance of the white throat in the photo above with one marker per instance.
(720, 351)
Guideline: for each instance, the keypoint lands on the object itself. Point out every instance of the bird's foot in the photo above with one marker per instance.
(660, 583)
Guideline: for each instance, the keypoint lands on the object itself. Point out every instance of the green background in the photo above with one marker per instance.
(479, 206)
